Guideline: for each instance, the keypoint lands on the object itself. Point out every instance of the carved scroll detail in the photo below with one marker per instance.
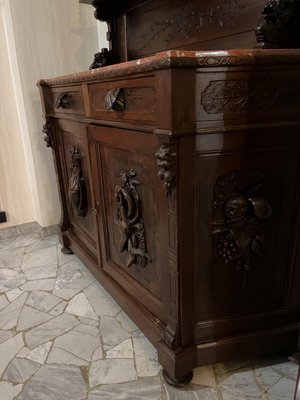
(77, 191)
(166, 161)
(47, 129)
(243, 212)
(129, 220)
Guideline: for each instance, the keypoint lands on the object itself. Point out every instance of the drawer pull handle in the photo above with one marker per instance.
(63, 100)
(115, 100)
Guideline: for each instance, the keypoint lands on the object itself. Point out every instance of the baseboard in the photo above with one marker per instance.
(30, 227)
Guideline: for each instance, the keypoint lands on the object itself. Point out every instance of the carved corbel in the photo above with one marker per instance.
(47, 129)
(166, 162)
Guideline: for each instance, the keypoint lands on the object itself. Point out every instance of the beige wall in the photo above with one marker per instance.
(15, 192)
(50, 38)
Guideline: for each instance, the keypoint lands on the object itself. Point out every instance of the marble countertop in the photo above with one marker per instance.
(181, 59)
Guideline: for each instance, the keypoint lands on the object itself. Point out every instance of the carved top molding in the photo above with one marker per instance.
(182, 59)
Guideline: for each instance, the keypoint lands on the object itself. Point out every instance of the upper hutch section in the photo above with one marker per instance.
(139, 28)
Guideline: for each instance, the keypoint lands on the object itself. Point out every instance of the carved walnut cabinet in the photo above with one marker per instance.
(179, 185)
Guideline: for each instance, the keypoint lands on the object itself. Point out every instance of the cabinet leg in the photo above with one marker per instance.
(66, 250)
(185, 380)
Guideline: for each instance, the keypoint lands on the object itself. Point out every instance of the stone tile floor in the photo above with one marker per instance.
(62, 337)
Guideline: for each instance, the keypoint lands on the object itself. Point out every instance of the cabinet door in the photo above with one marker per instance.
(245, 224)
(131, 213)
(75, 162)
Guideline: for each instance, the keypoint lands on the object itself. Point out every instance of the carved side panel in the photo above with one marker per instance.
(245, 214)
(244, 211)
(129, 220)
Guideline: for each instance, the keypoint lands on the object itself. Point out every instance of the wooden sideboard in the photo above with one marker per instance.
(179, 186)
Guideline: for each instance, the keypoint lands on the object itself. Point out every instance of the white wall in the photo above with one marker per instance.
(44, 39)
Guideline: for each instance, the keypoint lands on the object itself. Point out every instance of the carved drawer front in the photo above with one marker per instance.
(67, 100)
(75, 160)
(235, 98)
(126, 179)
(244, 224)
(132, 99)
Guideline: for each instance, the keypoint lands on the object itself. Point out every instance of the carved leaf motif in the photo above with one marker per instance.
(129, 220)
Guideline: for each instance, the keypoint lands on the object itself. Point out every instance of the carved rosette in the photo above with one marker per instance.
(129, 220)
(244, 212)
(166, 162)
(47, 129)
(77, 191)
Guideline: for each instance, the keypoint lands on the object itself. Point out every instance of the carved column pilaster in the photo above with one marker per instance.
(167, 162)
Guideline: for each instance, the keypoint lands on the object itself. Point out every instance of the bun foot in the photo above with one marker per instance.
(66, 250)
(185, 380)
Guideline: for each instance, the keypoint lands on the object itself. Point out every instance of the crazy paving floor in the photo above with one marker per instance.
(62, 337)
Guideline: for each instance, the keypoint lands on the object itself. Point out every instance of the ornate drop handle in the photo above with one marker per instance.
(115, 100)
(77, 192)
(63, 100)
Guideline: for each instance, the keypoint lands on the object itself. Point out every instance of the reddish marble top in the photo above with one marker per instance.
(181, 59)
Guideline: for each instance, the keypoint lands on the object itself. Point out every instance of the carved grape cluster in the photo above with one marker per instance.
(227, 249)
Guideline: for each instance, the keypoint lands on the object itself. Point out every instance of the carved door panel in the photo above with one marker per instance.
(244, 223)
(74, 156)
(131, 213)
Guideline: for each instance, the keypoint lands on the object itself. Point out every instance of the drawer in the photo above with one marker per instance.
(67, 100)
(225, 98)
(132, 99)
